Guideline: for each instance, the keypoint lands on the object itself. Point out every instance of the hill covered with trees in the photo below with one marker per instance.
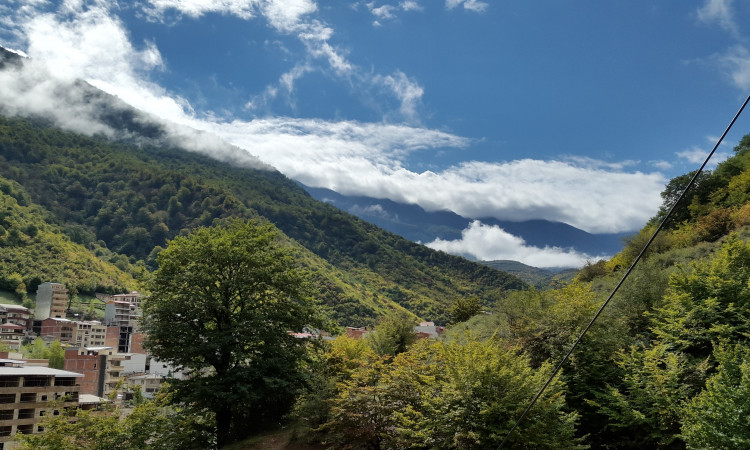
(126, 200)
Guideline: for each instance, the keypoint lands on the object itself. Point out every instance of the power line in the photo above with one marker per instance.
(625, 276)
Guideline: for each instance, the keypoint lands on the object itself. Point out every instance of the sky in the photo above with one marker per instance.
(576, 111)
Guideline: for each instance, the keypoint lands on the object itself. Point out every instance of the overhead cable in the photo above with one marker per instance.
(627, 273)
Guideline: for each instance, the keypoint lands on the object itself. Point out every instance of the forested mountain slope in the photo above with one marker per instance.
(33, 251)
(132, 198)
(667, 365)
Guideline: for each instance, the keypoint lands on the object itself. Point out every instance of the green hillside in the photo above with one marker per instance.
(35, 251)
(668, 362)
(130, 199)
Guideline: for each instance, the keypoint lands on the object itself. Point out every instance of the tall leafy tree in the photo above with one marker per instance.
(222, 303)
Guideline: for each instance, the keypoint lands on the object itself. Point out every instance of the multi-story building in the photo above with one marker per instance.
(57, 329)
(124, 315)
(16, 314)
(102, 368)
(133, 297)
(12, 335)
(25, 396)
(51, 301)
(89, 334)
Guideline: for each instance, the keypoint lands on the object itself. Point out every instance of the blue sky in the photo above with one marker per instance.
(574, 111)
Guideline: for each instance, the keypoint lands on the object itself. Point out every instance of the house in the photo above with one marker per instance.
(356, 333)
(428, 329)
(150, 383)
(25, 396)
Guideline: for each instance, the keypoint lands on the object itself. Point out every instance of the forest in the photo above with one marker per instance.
(123, 201)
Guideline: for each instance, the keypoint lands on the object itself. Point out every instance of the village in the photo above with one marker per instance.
(105, 361)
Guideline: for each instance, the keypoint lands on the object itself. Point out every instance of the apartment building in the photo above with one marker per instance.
(16, 314)
(12, 335)
(101, 368)
(122, 320)
(53, 328)
(89, 333)
(51, 301)
(133, 297)
(25, 396)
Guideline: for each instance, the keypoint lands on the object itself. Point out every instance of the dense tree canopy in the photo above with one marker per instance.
(222, 305)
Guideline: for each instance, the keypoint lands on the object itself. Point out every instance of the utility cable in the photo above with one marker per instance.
(625, 276)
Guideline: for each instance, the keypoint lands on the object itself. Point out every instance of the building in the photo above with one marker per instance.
(89, 334)
(12, 334)
(16, 314)
(124, 316)
(101, 368)
(51, 301)
(356, 333)
(25, 396)
(133, 297)
(57, 329)
(428, 329)
(150, 383)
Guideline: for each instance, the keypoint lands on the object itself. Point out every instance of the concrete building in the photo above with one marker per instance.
(133, 297)
(102, 368)
(51, 301)
(12, 334)
(150, 383)
(124, 315)
(25, 396)
(89, 334)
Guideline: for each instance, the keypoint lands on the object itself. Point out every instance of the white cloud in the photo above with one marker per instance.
(697, 155)
(367, 159)
(411, 5)
(661, 165)
(736, 65)
(489, 243)
(408, 92)
(471, 5)
(351, 157)
(244, 9)
(384, 11)
(718, 12)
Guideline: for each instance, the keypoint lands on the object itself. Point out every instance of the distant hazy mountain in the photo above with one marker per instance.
(418, 225)
(540, 278)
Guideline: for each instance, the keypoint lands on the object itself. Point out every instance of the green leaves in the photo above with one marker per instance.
(449, 395)
(222, 304)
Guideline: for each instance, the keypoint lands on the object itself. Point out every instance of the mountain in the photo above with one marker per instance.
(539, 278)
(418, 225)
(139, 182)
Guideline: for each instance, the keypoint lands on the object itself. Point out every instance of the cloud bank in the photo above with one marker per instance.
(490, 243)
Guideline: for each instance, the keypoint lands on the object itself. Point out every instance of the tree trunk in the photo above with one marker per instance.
(223, 425)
